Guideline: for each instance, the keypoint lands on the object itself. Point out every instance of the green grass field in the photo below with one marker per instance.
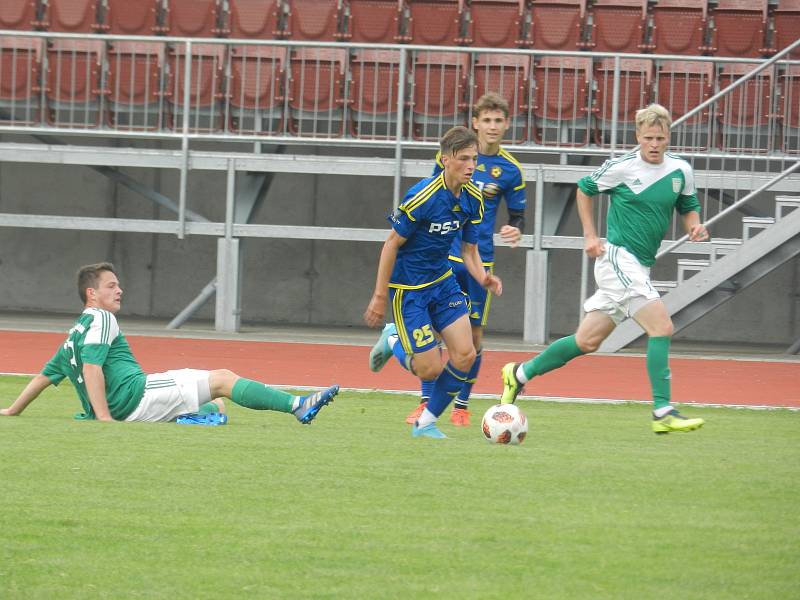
(593, 505)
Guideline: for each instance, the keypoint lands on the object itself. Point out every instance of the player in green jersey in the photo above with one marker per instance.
(646, 186)
(111, 385)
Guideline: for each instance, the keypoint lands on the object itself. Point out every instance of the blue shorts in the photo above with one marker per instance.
(421, 312)
(479, 296)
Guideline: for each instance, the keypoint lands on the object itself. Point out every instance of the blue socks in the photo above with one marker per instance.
(445, 388)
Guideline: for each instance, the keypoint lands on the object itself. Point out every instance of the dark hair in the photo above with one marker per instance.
(89, 276)
(456, 139)
(490, 101)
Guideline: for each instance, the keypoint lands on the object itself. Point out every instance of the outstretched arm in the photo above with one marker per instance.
(35, 387)
(96, 388)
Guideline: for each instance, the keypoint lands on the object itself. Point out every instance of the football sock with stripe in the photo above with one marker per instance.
(554, 356)
(426, 389)
(447, 385)
(462, 400)
(258, 396)
(658, 370)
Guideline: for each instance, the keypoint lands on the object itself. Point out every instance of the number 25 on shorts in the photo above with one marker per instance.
(423, 336)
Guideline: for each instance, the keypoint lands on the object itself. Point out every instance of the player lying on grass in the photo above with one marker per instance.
(646, 187)
(111, 385)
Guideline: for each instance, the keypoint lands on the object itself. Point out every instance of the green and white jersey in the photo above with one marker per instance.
(643, 198)
(95, 339)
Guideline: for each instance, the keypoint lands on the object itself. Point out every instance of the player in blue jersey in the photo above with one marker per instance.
(646, 186)
(498, 176)
(111, 385)
(415, 274)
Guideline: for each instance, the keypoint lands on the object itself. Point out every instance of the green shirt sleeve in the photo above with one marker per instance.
(588, 186)
(52, 372)
(687, 204)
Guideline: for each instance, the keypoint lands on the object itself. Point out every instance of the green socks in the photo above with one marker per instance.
(658, 370)
(554, 356)
(255, 395)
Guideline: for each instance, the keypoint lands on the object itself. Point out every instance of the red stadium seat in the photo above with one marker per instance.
(435, 22)
(744, 115)
(256, 93)
(635, 87)
(316, 91)
(318, 20)
(679, 27)
(786, 18)
(509, 76)
(19, 14)
(789, 109)
(618, 26)
(739, 27)
(192, 18)
(20, 69)
(74, 76)
(681, 86)
(255, 19)
(73, 16)
(561, 110)
(496, 23)
(124, 17)
(207, 63)
(373, 106)
(135, 86)
(438, 100)
(558, 24)
(374, 21)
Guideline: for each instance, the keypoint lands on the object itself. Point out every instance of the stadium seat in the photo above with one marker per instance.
(374, 87)
(618, 26)
(20, 69)
(739, 27)
(207, 63)
(789, 109)
(435, 22)
(786, 18)
(561, 109)
(679, 27)
(373, 21)
(635, 87)
(496, 24)
(74, 83)
(509, 76)
(318, 20)
(256, 93)
(124, 17)
(19, 14)
(255, 19)
(316, 91)
(558, 24)
(681, 86)
(438, 99)
(192, 18)
(135, 86)
(72, 16)
(745, 115)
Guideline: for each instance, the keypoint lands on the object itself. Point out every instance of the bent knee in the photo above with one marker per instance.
(589, 344)
(463, 361)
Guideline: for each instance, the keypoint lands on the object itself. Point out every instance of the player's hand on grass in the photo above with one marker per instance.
(375, 314)
(6, 412)
(593, 246)
(510, 235)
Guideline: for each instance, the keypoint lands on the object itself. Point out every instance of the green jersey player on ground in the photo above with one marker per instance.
(111, 385)
(646, 186)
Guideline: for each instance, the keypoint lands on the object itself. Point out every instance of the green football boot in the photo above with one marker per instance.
(673, 421)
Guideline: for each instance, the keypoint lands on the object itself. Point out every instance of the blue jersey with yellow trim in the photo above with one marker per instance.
(497, 175)
(431, 218)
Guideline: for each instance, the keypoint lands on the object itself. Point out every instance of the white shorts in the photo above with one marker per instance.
(623, 284)
(168, 395)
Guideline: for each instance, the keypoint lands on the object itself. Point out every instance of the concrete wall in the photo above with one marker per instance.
(293, 281)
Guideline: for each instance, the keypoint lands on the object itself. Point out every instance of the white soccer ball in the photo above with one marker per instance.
(504, 424)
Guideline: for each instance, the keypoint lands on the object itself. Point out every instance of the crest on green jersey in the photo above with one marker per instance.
(676, 184)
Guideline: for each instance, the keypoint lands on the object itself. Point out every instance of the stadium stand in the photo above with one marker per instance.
(319, 20)
(561, 110)
(745, 115)
(135, 94)
(618, 26)
(789, 109)
(20, 69)
(123, 17)
(70, 16)
(74, 92)
(508, 75)
(497, 24)
(435, 22)
(683, 85)
(205, 91)
(786, 20)
(635, 86)
(438, 98)
(679, 27)
(192, 18)
(373, 21)
(739, 28)
(255, 19)
(558, 24)
(19, 14)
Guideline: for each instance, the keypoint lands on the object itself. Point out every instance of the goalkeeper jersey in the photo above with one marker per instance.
(95, 339)
(643, 199)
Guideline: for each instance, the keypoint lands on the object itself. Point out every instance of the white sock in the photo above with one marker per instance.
(426, 418)
(660, 412)
(392, 340)
(521, 377)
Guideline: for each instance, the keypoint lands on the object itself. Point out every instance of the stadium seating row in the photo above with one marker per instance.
(247, 89)
(740, 28)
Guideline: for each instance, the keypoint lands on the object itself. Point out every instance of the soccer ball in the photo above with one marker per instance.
(504, 424)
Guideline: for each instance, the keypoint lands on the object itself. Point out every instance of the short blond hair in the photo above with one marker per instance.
(653, 115)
